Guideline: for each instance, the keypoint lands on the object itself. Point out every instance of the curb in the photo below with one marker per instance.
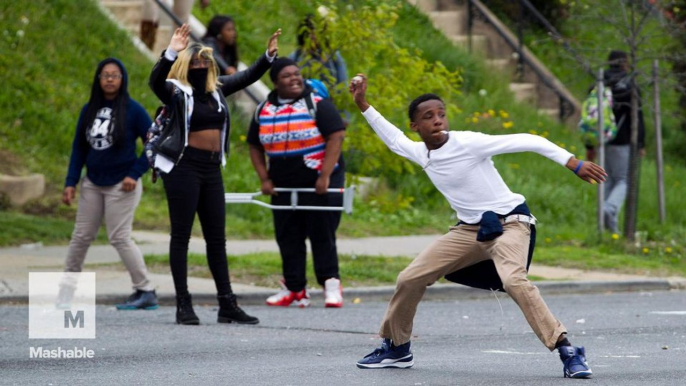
(435, 292)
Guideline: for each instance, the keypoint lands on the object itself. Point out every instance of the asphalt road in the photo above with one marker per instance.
(631, 339)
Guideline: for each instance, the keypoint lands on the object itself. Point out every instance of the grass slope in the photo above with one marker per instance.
(48, 68)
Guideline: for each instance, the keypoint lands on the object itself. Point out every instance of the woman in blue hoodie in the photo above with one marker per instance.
(105, 142)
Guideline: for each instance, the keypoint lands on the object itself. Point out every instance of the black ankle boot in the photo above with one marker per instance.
(184, 310)
(230, 312)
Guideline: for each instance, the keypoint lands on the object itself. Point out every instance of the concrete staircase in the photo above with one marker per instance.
(127, 13)
(450, 16)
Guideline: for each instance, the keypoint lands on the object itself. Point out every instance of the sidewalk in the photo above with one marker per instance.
(113, 284)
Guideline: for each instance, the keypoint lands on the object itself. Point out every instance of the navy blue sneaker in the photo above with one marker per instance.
(140, 300)
(574, 362)
(388, 355)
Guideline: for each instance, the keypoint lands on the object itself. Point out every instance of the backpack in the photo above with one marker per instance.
(309, 100)
(588, 125)
(319, 87)
(162, 119)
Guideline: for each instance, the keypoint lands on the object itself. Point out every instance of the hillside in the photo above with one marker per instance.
(47, 70)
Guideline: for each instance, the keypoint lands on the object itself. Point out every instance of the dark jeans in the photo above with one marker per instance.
(195, 185)
(292, 227)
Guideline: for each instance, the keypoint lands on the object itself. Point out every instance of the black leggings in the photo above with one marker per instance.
(195, 185)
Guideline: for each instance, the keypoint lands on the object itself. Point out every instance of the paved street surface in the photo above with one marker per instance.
(636, 338)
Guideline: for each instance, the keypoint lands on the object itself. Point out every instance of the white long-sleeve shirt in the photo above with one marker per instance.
(462, 169)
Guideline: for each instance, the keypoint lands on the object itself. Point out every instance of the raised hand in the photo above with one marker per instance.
(273, 43)
(358, 89)
(179, 40)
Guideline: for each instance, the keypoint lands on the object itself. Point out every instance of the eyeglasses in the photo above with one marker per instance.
(195, 63)
(110, 76)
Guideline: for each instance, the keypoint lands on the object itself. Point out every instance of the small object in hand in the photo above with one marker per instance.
(357, 79)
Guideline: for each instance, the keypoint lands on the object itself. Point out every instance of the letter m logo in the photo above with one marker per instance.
(70, 319)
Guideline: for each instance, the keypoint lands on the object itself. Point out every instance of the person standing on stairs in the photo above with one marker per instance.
(150, 17)
(222, 38)
(495, 233)
(189, 156)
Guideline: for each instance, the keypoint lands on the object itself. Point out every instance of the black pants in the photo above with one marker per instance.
(292, 227)
(195, 185)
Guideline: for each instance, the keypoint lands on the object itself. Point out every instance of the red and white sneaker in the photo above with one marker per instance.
(286, 297)
(333, 293)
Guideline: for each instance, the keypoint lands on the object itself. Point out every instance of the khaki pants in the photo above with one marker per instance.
(117, 208)
(181, 8)
(459, 249)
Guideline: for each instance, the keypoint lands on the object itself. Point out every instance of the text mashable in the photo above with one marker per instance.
(60, 353)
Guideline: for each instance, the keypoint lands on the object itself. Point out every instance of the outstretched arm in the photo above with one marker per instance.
(393, 137)
(242, 79)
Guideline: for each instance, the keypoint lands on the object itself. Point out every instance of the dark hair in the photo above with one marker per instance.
(97, 101)
(214, 28)
(617, 58)
(306, 28)
(278, 65)
(419, 100)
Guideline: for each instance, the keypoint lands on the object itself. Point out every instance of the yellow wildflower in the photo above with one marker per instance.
(615, 236)
(475, 120)
(508, 124)
(645, 250)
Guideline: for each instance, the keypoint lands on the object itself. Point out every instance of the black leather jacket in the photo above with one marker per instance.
(172, 142)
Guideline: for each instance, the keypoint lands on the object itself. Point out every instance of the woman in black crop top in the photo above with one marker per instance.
(186, 79)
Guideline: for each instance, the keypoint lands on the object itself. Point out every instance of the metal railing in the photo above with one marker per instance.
(566, 104)
(251, 198)
(220, 62)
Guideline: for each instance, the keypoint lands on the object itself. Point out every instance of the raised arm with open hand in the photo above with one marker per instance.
(179, 40)
(273, 43)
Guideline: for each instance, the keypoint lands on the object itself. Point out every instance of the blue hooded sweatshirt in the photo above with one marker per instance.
(108, 158)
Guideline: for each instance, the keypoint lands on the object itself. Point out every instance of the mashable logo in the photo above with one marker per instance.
(61, 306)
(60, 353)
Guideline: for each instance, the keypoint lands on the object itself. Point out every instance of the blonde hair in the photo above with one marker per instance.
(179, 70)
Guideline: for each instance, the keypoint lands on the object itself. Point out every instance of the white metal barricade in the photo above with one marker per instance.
(251, 198)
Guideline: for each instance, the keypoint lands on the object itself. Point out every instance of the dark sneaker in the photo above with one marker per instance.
(229, 312)
(140, 300)
(184, 310)
(574, 362)
(388, 355)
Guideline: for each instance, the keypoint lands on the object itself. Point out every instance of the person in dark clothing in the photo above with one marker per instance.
(105, 142)
(304, 151)
(186, 79)
(312, 50)
(617, 151)
(222, 38)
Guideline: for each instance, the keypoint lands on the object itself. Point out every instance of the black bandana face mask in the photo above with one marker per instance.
(197, 77)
